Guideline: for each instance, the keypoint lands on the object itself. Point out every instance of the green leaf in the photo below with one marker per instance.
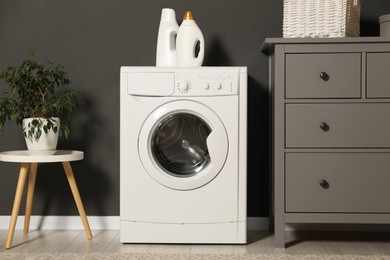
(35, 122)
(38, 135)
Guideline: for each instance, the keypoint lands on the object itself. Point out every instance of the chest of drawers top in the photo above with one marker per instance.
(269, 43)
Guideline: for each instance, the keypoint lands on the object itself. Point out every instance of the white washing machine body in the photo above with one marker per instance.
(183, 154)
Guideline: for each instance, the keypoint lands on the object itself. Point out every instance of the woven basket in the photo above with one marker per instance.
(321, 18)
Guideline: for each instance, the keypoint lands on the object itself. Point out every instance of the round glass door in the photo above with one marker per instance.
(179, 146)
(183, 145)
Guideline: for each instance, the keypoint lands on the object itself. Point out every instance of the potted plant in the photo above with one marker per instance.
(37, 102)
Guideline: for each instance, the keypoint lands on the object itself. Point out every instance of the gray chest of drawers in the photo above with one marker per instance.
(331, 131)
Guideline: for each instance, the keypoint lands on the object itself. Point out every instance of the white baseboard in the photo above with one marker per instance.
(97, 222)
(63, 222)
(113, 223)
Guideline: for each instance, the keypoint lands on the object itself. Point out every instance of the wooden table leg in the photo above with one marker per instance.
(18, 198)
(30, 196)
(76, 195)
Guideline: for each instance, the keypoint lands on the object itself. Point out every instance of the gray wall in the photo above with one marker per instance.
(92, 39)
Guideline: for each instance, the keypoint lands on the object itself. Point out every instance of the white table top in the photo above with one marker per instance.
(26, 156)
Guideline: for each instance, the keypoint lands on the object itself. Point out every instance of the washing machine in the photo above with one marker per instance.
(183, 152)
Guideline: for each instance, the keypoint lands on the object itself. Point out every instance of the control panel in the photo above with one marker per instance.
(206, 83)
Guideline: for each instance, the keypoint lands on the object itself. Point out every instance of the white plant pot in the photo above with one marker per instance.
(47, 141)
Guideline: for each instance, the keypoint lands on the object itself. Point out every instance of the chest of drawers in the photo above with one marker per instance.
(331, 131)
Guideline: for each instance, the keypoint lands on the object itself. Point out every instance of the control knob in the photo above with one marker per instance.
(185, 86)
(218, 86)
(205, 85)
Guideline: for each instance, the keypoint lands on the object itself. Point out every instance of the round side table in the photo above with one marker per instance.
(29, 163)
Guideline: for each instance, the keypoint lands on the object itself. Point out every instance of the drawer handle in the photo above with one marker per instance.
(324, 126)
(324, 184)
(324, 76)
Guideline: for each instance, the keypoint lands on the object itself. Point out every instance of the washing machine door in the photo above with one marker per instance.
(183, 145)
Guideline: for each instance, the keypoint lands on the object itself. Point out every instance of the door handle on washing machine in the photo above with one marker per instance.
(217, 145)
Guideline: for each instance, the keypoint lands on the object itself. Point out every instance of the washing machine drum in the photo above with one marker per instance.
(183, 145)
(179, 145)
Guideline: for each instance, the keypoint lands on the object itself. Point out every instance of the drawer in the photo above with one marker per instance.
(351, 182)
(338, 125)
(326, 75)
(378, 75)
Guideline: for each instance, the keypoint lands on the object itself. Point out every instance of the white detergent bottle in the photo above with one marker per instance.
(189, 36)
(166, 40)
